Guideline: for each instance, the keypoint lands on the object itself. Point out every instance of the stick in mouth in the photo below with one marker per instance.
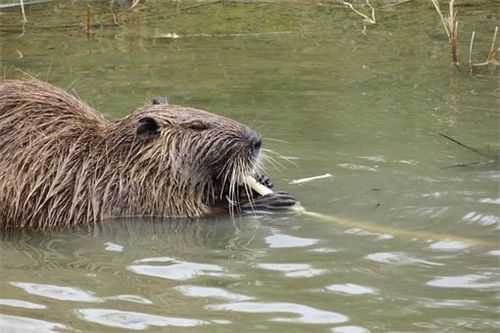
(257, 187)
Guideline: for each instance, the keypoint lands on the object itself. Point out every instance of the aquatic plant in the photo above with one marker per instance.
(450, 25)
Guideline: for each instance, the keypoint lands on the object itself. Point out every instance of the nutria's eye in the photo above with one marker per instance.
(197, 125)
(147, 129)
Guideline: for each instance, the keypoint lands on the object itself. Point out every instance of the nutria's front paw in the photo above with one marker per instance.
(264, 180)
(275, 201)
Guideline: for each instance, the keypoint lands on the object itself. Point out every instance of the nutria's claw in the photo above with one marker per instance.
(271, 202)
(264, 180)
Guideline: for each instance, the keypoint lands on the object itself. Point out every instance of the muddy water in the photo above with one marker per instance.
(401, 239)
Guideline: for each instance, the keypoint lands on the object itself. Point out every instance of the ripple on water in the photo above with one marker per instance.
(134, 320)
(113, 247)
(449, 303)
(197, 291)
(130, 298)
(324, 250)
(374, 158)
(469, 281)
(287, 241)
(494, 253)
(176, 269)
(357, 167)
(449, 245)
(58, 292)
(350, 329)
(398, 258)
(351, 289)
(361, 232)
(293, 270)
(21, 304)
(484, 220)
(16, 324)
(305, 314)
(494, 201)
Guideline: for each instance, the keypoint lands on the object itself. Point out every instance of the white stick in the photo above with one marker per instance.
(305, 180)
(257, 187)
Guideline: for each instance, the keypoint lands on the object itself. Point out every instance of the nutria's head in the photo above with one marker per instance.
(188, 157)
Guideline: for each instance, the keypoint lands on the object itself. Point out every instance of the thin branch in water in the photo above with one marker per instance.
(477, 151)
(462, 165)
(366, 19)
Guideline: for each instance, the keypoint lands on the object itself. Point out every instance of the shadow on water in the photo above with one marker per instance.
(178, 234)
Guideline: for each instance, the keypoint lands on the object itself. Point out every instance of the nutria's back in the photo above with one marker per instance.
(61, 163)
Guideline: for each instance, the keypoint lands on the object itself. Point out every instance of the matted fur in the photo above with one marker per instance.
(63, 164)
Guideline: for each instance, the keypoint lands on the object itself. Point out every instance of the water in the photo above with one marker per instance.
(408, 244)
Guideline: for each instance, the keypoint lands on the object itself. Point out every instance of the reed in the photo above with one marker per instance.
(23, 12)
(450, 25)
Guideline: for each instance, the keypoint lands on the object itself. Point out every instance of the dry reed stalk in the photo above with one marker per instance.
(134, 3)
(492, 54)
(25, 20)
(493, 50)
(88, 20)
(450, 26)
(471, 46)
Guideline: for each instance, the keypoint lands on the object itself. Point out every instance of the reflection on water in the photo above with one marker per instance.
(130, 298)
(469, 281)
(449, 245)
(328, 99)
(287, 241)
(398, 258)
(306, 314)
(210, 292)
(351, 289)
(16, 324)
(134, 320)
(21, 304)
(293, 270)
(57, 292)
(350, 329)
(175, 269)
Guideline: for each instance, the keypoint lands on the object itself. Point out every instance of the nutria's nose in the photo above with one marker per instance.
(254, 139)
(257, 143)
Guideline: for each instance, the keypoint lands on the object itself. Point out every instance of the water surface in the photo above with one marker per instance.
(415, 246)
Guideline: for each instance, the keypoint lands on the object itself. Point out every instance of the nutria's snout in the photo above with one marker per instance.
(255, 141)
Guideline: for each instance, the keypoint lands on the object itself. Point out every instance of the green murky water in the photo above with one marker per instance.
(417, 248)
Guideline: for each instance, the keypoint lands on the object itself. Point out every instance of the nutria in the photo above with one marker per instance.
(62, 163)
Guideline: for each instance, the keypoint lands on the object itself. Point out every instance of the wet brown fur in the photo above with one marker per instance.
(63, 164)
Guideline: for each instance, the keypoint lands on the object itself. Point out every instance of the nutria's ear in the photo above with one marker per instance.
(147, 129)
(159, 100)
